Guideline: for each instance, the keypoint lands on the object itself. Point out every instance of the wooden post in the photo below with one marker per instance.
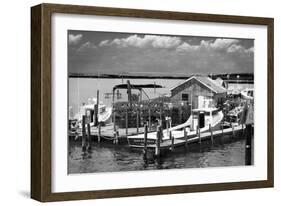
(116, 136)
(185, 137)
(83, 133)
(129, 91)
(126, 120)
(145, 141)
(211, 130)
(171, 113)
(248, 146)
(199, 134)
(172, 141)
(140, 99)
(157, 146)
(113, 109)
(137, 120)
(221, 129)
(161, 115)
(89, 136)
(97, 109)
(161, 132)
(98, 97)
(149, 118)
(99, 133)
(167, 125)
(170, 122)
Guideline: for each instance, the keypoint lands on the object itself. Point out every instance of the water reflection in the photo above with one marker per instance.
(111, 158)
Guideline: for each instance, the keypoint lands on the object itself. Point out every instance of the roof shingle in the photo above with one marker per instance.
(208, 82)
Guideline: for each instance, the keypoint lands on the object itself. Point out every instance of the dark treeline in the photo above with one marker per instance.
(225, 76)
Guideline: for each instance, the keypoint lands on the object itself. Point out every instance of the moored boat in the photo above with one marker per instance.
(104, 112)
(201, 118)
(248, 94)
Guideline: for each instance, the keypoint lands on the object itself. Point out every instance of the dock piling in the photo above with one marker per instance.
(167, 125)
(185, 137)
(83, 133)
(157, 146)
(145, 141)
(96, 119)
(137, 121)
(199, 134)
(117, 137)
(248, 146)
(99, 133)
(113, 110)
(89, 137)
(149, 119)
(172, 141)
(161, 115)
(126, 120)
(211, 131)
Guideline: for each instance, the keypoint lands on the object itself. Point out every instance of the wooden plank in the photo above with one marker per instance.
(167, 144)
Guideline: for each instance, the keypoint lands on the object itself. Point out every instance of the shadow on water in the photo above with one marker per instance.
(106, 157)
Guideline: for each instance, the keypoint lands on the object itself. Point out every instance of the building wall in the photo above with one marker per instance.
(194, 89)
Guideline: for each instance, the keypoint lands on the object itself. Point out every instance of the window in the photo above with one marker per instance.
(184, 97)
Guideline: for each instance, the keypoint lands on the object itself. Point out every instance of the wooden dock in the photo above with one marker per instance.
(170, 144)
(107, 132)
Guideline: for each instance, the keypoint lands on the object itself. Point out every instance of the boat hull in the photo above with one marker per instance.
(138, 140)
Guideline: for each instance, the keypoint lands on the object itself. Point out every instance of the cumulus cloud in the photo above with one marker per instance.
(86, 46)
(74, 39)
(222, 44)
(250, 50)
(239, 49)
(228, 45)
(187, 47)
(146, 41)
(104, 43)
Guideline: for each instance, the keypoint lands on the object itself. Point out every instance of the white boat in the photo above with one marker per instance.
(104, 112)
(248, 94)
(212, 117)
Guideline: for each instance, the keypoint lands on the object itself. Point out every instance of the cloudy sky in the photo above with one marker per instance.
(93, 52)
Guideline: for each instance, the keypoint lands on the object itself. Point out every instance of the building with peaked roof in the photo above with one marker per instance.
(199, 91)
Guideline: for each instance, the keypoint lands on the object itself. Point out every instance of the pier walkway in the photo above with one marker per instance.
(169, 144)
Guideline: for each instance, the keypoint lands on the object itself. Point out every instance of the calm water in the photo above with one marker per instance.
(110, 158)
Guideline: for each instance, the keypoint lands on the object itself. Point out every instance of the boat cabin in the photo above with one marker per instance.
(203, 117)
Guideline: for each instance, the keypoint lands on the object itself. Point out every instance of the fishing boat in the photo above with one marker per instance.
(248, 94)
(201, 118)
(104, 112)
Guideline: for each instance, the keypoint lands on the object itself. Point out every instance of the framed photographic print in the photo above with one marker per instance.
(130, 102)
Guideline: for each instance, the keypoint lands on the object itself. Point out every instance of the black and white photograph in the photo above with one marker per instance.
(155, 101)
